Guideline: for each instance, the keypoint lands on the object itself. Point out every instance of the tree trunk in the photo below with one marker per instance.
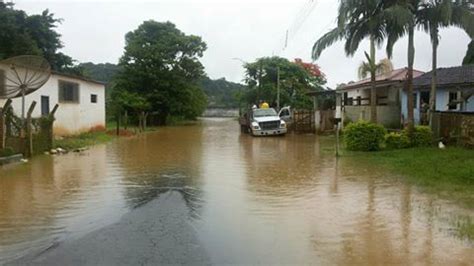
(434, 81)
(373, 89)
(410, 100)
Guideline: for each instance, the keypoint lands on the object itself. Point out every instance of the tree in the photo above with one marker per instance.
(221, 93)
(384, 66)
(430, 16)
(358, 20)
(295, 81)
(161, 64)
(469, 58)
(436, 14)
(21, 34)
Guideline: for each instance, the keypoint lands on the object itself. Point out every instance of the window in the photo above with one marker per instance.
(2, 82)
(44, 105)
(93, 98)
(453, 97)
(68, 92)
(415, 102)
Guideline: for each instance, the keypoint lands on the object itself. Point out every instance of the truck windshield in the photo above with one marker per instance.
(264, 112)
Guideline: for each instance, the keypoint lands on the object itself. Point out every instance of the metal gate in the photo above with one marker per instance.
(303, 121)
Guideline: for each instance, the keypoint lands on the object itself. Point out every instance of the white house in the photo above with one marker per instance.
(81, 102)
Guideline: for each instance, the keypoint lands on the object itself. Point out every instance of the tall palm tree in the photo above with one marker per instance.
(384, 66)
(436, 14)
(358, 20)
(430, 15)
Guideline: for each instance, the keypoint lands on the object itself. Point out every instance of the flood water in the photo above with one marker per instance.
(250, 200)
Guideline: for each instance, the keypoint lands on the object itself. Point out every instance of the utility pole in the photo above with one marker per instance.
(278, 88)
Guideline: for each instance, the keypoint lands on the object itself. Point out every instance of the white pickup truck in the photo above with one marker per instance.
(263, 122)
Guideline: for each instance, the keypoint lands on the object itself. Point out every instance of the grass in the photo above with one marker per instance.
(83, 140)
(464, 227)
(448, 172)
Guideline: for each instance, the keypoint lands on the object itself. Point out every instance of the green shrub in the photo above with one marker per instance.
(422, 136)
(6, 152)
(364, 136)
(396, 140)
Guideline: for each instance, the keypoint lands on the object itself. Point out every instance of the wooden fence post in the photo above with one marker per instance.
(50, 126)
(29, 130)
(3, 129)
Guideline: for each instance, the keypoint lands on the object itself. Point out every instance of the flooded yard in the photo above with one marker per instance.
(243, 200)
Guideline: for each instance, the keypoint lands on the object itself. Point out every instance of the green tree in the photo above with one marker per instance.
(382, 67)
(436, 14)
(221, 93)
(469, 58)
(430, 16)
(261, 78)
(161, 64)
(21, 34)
(358, 20)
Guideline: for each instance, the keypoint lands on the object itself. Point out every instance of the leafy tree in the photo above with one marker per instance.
(384, 66)
(161, 64)
(295, 82)
(22, 34)
(469, 58)
(358, 20)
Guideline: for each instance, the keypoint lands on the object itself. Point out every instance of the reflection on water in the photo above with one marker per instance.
(251, 200)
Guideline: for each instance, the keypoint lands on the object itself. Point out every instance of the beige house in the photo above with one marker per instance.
(354, 98)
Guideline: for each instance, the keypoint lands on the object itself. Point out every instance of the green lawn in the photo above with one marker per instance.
(448, 172)
(83, 140)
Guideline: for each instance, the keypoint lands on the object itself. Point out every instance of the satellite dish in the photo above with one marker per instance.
(23, 75)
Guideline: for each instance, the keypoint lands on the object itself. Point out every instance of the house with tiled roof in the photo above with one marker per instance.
(454, 91)
(354, 103)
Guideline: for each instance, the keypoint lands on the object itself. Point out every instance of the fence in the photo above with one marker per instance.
(304, 121)
(29, 136)
(454, 127)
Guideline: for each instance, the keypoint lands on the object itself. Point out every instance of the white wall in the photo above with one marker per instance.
(71, 118)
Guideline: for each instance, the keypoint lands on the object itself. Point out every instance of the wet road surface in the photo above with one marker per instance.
(204, 194)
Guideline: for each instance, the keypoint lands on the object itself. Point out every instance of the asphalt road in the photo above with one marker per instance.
(155, 233)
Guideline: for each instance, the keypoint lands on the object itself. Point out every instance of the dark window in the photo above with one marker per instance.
(68, 92)
(2, 82)
(453, 97)
(415, 102)
(44, 105)
(93, 98)
(346, 98)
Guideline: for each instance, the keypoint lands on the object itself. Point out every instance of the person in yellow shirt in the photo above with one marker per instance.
(264, 105)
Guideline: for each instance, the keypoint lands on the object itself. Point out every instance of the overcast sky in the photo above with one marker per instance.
(246, 29)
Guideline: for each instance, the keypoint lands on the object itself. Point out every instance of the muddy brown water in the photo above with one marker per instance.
(250, 200)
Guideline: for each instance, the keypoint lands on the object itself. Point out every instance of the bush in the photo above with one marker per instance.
(422, 137)
(364, 136)
(6, 152)
(397, 140)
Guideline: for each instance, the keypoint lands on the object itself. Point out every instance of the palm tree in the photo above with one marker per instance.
(358, 20)
(383, 67)
(430, 15)
(469, 58)
(436, 14)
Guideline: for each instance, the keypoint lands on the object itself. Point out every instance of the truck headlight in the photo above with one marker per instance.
(283, 124)
(255, 126)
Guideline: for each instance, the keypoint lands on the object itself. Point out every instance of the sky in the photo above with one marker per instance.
(235, 31)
